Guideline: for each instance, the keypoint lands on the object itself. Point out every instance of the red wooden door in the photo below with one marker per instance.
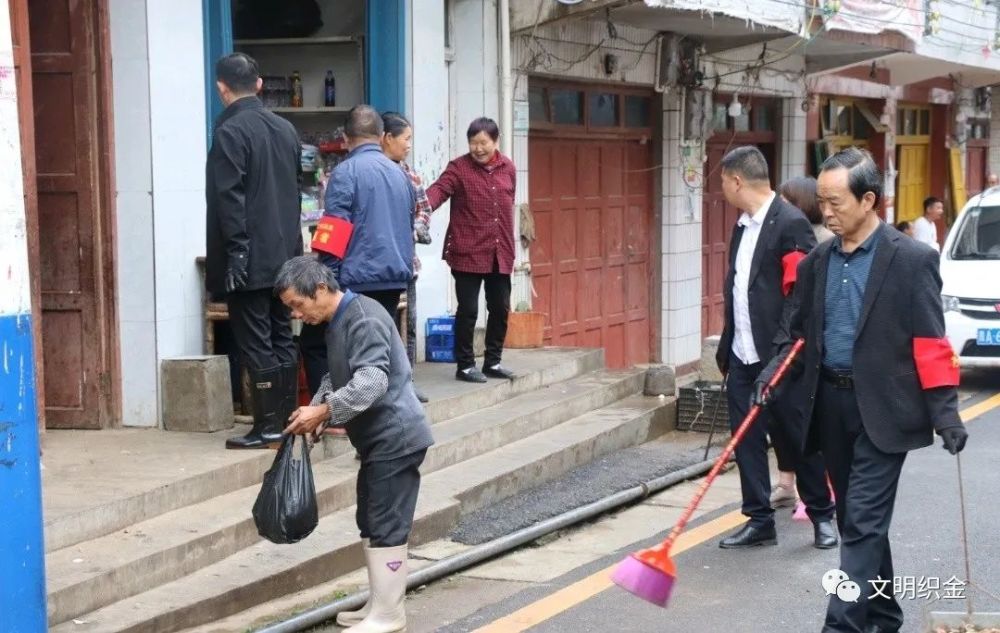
(975, 168)
(592, 202)
(64, 68)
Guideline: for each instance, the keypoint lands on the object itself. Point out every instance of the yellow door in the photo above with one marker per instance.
(913, 181)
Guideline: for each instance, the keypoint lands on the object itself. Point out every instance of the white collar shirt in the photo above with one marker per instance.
(743, 345)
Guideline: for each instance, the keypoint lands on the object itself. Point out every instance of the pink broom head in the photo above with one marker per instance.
(647, 576)
(800, 512)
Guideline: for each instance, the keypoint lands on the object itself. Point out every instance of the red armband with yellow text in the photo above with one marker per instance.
(332, 236)
(937, 365)
(789, 270)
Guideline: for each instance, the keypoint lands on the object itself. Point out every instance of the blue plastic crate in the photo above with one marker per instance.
(440, 325)
(439, 348)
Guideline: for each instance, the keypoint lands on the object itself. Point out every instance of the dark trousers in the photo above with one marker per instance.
(865, 480)
(312, 344)
(387, 498)
(786, 430)
(411, 322)
(312, 339)
(751, 453)
(262, 329)
(497, 305)
(388, 298)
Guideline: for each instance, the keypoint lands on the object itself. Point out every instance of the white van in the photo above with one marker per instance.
(970, 270)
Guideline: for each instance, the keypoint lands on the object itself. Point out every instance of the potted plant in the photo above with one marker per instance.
(524, 327)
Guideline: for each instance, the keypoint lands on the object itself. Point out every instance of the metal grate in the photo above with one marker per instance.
(697, 404)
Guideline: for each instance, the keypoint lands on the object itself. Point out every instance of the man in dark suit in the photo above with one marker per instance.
(768, 242)
(878, 371)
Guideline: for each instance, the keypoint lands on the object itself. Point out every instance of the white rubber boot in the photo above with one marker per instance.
(387, 569)
(350, 618)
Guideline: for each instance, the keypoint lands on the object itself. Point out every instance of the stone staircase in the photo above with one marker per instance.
(189, 555)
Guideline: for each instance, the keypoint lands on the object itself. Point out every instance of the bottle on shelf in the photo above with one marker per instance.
(329, 90)
(296, 89)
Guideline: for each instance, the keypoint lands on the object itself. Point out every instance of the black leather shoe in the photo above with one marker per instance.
(826, 535)
(253, 439)
(750, 536)
(498, 371)
(470, 375)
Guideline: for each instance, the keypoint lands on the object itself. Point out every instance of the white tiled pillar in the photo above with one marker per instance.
(793, 140)
(428, 91)
(177, 131)
(134, 213)
(521, 281)
(680, 330)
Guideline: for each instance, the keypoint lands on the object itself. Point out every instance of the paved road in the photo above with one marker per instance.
(770, 589)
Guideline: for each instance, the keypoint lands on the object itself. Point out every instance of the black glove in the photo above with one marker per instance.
(761, 395)
(954, 438)
(236, 272)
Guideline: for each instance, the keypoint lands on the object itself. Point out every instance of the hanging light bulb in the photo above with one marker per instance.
(735, 109)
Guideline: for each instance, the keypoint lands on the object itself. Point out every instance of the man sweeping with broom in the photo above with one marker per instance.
(878, 370)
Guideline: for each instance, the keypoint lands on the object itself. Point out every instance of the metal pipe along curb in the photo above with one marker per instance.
(480, 553)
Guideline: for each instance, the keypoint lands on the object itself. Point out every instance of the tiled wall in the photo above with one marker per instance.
(134, 212)
(427, 88)
(157, 76)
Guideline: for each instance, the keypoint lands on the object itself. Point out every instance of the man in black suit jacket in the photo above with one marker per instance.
(771, 238)
(878, 371)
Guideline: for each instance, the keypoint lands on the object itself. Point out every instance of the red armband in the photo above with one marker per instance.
(937, 365)
(332, 236)
(789, 268)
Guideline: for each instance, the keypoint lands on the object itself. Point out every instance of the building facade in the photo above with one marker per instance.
(616, 114)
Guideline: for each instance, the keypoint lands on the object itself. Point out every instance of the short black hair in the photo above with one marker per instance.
(929, 202)
(304, 274)
(239, 72)
(483, 124)
(363, 121)
(394, 123)
(903, 226)
(748, 162)
(863, 175)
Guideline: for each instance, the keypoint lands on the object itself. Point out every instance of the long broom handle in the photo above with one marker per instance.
(730, 447)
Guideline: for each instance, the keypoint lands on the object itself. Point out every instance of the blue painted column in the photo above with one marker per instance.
(22, 554)
(385, 55)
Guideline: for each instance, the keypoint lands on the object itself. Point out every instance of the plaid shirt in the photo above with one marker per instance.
(422, 210)
(481, 230)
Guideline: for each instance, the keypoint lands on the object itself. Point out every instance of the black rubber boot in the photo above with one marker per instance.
(290, 389)
(268, 403)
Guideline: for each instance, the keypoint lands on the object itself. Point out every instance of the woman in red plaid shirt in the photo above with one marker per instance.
(479, 244)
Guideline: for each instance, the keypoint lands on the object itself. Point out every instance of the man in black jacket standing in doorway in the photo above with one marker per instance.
(252, 195)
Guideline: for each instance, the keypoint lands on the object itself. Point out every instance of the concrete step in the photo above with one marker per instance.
(143, 484)
(265, 571)
(96, 573)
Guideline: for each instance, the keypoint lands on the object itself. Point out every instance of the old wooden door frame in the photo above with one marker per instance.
(645, 135)
(21, 40)
(109, 379)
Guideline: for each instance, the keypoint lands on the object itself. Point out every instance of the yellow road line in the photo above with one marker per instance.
(978, 409)
(582, 590)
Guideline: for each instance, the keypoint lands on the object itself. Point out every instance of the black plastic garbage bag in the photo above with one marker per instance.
(286, 510)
